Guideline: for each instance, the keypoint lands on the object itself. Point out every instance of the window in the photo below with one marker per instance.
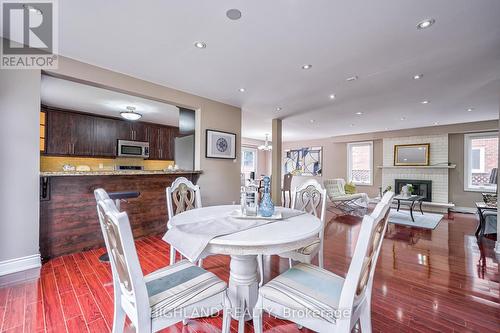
(248, 160)
(481, 162)
(360, 163)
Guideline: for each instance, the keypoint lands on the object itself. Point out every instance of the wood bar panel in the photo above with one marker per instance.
(68, 220)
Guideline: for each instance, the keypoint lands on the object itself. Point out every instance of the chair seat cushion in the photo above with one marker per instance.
(180, 285)
(306, 287)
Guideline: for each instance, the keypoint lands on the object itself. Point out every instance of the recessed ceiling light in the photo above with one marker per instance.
(278, 108)
(306, 66)
(403, 118)
(359, 113)
(418, 76)
(352, 78)
(436, 123)
(332, 96)
(425, 23)
(425, 102)
(311, 121)
(470, 109)
(242, 89)
(200, 45)
(233, 14)
(130, 114)
(387, 128)
(352, 125)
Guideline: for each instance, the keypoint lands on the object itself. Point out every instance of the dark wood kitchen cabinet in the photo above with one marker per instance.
(105, 136)
(162, 142)
(68, 134)
(79, 134)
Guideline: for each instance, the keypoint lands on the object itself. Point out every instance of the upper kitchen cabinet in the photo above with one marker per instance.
(69, 134)
(105, 136)
(77, 134)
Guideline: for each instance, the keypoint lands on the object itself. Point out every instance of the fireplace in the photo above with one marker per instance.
(420, 187)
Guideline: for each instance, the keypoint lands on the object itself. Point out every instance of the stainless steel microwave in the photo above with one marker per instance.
(133, 149)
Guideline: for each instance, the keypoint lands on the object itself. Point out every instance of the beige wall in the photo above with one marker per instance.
(335, 162)
(221, 178)
(335, 156)
(19, 167)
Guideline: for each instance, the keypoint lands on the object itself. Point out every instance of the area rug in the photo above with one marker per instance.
(426, 221)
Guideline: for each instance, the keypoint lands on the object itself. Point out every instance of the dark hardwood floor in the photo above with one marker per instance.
(438, 280)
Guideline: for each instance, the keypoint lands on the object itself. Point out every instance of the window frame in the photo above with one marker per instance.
(255, 161)
(468, 162)
(350, 145)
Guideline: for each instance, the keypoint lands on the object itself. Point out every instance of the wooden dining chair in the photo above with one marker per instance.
(322, 301)
(164, 297)
(183, 195)
(309, 197)
(287, 188)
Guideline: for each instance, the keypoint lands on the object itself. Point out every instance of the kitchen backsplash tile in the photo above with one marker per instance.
(55, 163)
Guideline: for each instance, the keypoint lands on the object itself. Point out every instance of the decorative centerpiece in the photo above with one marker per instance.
(266, 208)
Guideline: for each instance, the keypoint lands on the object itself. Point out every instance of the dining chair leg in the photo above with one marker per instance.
(320, 258)
(172, 255)
(119, 317)
(260, 263)
(365, 319)
(257, 316)
(226, 315)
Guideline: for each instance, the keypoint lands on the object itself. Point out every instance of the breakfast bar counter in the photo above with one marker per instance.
(68, 216)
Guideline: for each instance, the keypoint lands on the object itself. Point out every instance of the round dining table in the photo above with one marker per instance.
(275, 237)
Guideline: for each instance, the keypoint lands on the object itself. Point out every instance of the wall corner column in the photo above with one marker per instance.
(276, 162)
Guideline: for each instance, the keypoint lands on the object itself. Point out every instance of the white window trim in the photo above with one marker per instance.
(349, 161)
(256, 160)
(467, 162)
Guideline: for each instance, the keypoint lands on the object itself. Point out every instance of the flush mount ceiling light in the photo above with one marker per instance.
(200, 45)
(425, 23)
(352, 125)
(241, 90)
(403, 118)
(278, 108)
(266, 146)
(332, 96)
(32, 9)
(436, 123)
(312, 121)
(418, 76)
(233, 14)
(425, 102)
(352, 78)
(470, 109)
(130, 114)
(306, 66)
(359, 113)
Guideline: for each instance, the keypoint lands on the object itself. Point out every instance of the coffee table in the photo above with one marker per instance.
(411, 200)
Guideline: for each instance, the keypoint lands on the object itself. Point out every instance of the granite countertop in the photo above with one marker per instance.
(115, 173)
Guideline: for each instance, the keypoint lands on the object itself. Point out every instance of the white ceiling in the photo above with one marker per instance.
(264, 51)
(84, 98)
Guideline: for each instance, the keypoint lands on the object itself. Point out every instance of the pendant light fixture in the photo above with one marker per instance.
(130, 114)
(266, 146)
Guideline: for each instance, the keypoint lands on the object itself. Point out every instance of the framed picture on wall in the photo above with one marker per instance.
(220, 145)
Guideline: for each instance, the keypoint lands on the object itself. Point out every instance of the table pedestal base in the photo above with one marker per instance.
(243, 286)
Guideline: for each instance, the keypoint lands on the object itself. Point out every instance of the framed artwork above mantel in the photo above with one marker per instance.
(416, 154)
(220, 144)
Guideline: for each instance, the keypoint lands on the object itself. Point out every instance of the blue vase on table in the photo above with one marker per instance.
(266, 208)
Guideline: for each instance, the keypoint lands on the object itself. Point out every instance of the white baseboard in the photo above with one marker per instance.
(20, 264)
